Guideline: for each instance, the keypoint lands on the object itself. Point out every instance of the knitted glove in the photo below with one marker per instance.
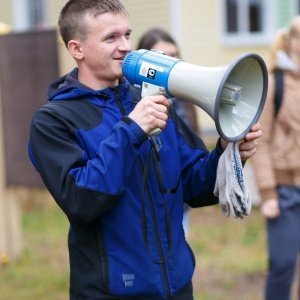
(230, 185)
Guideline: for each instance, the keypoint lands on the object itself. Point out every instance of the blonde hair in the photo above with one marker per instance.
(282, 41)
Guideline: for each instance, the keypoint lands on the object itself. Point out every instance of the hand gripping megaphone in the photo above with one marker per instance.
(233, 95)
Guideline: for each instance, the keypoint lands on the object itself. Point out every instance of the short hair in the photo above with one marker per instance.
(153, 36)
(71, 18)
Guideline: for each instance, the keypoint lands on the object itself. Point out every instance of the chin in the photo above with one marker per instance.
(119, 75)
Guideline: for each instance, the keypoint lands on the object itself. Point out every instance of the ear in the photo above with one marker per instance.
(75, 49)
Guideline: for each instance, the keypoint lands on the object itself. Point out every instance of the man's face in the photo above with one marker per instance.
(104, 48)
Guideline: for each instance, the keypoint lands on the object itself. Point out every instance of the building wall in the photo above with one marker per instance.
(54, 8)
(6, 12)
(147, 14)
(197, 22)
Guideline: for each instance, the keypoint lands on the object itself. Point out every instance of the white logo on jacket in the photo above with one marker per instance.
(128, 279)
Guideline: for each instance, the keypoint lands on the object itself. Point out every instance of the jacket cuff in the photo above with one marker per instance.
(126, 120)
(269, 193)
(135, 129)
(218, 147)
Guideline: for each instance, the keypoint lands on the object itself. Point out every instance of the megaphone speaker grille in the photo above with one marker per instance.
(235, 114)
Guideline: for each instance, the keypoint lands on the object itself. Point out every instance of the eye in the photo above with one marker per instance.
(174, 54)
(110, 38)
(128, 33)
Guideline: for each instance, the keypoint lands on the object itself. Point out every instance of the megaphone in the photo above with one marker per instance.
(233, 95)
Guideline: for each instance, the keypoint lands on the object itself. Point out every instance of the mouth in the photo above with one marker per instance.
(120, 58)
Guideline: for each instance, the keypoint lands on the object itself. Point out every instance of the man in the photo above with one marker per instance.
(121, 190)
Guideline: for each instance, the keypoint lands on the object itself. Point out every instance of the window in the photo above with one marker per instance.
(251, 13)
(36, 11)
(29, 14)
(255, 16)
(231, 20)
(247, 22)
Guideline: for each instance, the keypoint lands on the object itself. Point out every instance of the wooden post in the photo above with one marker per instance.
(10, 224)
(31, 60)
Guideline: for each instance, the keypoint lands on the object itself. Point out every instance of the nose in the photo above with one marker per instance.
(125, 44)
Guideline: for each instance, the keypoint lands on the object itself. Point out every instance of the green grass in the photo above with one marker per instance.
(230, 256)
(42, 272)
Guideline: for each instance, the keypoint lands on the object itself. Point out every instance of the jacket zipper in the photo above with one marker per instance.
(150, 201)
(157, 239)
(119, 103)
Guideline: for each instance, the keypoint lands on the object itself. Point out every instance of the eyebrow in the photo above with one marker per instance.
(117, 32)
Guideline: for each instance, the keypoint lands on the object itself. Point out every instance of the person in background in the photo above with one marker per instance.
(121, 189)
(277, 164)
(159, 39)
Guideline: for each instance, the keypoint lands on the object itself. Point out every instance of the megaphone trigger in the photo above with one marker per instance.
(154, 132)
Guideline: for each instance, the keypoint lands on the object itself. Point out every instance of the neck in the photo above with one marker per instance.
(95, 83)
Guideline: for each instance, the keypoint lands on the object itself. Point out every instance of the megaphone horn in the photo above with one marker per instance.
(233, 95)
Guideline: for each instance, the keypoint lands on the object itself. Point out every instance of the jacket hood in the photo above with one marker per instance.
(284, 62)
(69, 87)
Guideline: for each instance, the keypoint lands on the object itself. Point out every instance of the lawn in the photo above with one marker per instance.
(230, 255)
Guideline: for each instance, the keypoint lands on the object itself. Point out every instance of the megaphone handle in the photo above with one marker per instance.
(149, 89)
(154, 132)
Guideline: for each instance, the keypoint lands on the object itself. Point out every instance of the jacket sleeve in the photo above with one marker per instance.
(200, 178)
(198, 165)
(84, 188)
(262, 160)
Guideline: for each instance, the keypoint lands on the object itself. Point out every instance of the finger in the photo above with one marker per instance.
(161, 108)
(247, 149)
(157, 118)
(246, 154)
(256, 127)
(248, 145)
(253, 135)
(159, 99)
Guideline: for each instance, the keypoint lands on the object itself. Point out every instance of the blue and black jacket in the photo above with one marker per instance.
(122, 192)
